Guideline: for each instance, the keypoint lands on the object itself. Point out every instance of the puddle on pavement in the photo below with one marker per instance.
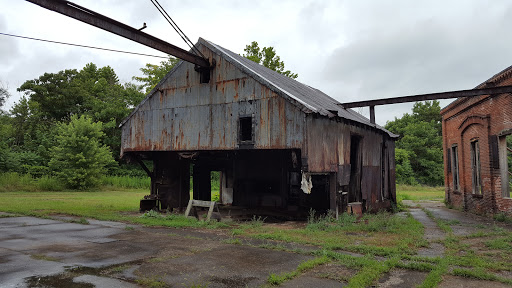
(65, 279)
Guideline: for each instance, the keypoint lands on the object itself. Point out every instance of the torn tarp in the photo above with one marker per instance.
(305, 184)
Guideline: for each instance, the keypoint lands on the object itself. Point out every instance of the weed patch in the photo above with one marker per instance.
(151, 282)
(275, 279)
(44, 257)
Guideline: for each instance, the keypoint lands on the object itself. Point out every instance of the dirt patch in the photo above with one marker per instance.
(460, 282)
(333, 271)
(235, 281)
(288, 225)
(402, 278)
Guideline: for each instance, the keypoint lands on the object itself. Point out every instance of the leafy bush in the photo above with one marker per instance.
(79, 159)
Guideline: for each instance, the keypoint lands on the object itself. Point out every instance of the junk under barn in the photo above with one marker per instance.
(277, 142)
(477, 143)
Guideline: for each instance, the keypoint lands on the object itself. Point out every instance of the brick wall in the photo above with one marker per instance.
(476, 119)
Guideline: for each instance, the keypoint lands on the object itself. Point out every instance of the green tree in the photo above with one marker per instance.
(403, 168)
(421, 142)
(153, 74)
(267, 57)
(92, 91)
(79, 158)
(55, 94)
(4, 94)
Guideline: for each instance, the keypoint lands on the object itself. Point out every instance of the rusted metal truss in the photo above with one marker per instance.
(424, 97)
(95, 19)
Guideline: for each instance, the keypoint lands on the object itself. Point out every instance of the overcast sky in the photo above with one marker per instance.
(351, 50)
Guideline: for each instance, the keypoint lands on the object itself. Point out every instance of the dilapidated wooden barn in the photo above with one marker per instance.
(278, 143)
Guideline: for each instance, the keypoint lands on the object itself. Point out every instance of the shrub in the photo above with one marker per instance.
(79, 159)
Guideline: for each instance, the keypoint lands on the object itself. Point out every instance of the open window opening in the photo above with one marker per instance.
(509, 162)
(475, 167)
(245, 130)
(506, 164)
(204, 76)
(215, 180)
(455, 167)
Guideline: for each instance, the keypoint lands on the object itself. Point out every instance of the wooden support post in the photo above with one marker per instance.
(372, 114)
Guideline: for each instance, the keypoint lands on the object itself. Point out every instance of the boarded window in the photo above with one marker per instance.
(455, 167)
(475, 167)
(245, 130)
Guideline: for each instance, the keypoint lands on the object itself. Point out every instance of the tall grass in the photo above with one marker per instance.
(127, 182)
(12, 181)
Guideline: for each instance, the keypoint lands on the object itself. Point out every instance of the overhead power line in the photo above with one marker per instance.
(177, 29)
(83, 46)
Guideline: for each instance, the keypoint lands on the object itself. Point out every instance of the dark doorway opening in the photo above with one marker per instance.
(354, 193)
(319, 200)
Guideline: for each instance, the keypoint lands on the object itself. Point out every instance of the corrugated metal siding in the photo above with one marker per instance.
(328, 144)
(184, 115)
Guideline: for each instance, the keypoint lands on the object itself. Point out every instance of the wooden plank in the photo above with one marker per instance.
(211, 205)
(189, 207)
(201, 203)
(210, 211)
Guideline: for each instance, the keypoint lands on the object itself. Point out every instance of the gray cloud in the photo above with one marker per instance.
(425, 56)
(8, 46)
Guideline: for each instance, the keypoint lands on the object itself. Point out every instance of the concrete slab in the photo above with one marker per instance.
(103, 282)
(433, 250)
(20, 266)
(24, 221)
(432, 232)
(307, 281)
(400, 278)
(247, 266)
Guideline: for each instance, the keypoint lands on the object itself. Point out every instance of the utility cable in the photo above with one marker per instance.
(83, 46)
(177, 29)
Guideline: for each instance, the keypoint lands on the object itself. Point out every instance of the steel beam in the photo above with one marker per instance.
(95, 19)
(372, 114)
(431, 96)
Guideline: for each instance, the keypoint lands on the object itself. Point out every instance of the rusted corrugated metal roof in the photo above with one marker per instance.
(310, 99)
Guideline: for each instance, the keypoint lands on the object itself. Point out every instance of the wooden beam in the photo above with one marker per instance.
(95, 19)
(144, 167)
(431, 96)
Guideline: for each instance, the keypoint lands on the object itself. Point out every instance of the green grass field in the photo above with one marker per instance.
(415, 193)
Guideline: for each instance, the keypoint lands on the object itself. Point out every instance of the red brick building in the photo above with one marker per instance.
(477, 158)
